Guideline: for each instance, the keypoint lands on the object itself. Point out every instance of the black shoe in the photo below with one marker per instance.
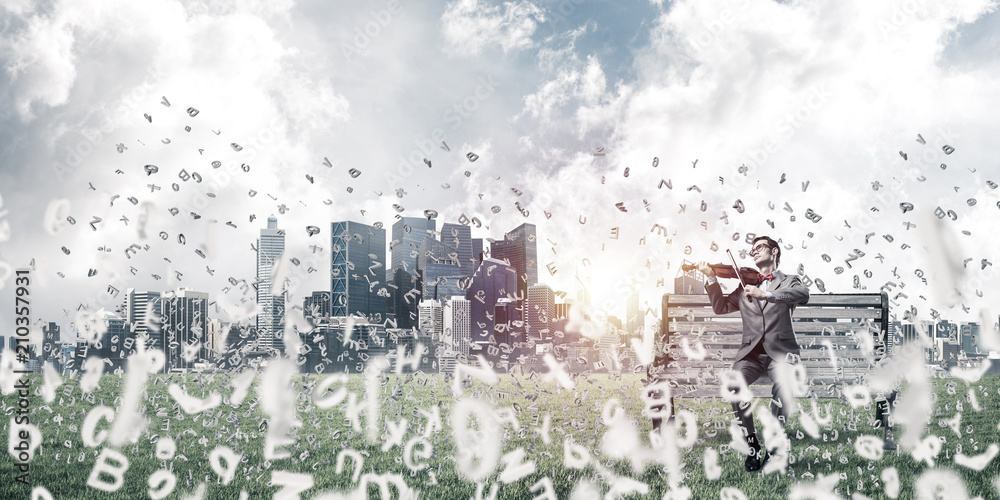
(889, 443)
(756, 459)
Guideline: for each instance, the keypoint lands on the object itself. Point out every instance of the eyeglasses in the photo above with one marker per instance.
(757, 249)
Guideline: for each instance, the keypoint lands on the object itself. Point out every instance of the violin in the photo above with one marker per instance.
(748, 275)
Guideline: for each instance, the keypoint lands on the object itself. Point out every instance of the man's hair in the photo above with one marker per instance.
(771, 243)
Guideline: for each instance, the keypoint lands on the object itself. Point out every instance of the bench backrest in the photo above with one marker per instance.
(845, 325)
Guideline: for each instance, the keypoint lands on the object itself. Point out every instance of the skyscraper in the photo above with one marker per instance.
(540, 311)
(318, 305)
(407, 235)
(562, 309)
(185, 326)
(907, 332)
(947, 330)
(493, 281)
(142, 312)
(404, 297)
(271, 319)
(520, 249)
(108, 348)
(970, 339)
(113, 343)
(634, 318)
(438, 270)
(459, 237)
(456, 316)
(508, 330)
(477, 252)
(51, 345)
(431, 321)
(357, 271)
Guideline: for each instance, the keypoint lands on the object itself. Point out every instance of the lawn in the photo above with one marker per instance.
(441, 470)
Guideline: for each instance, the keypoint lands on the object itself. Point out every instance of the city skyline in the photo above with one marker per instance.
(633, 136)
(136, 315)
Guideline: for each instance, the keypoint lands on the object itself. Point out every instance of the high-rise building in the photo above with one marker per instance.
(477, 252)
(350, 346)
(907, 332)
(970, 340)
(113, 344)
(407, 235)
(51, 345)
(634, 318)
(431, 320)
(271, 319)
(404, 297)
(318, 305)
(459, 237)
(541, 312)
(946, 330)
(68, 351)
(946, 353)
(457, 334)
(508, 330)
(107, 348)
(185, 325)
(558, 325)
(143, 312)
(494, 280)
(562, 309)
(583, 291)
(357, 272)
(438, 271)
(520, 249)
(608, 347)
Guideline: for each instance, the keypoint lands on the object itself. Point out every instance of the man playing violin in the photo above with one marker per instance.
(766, 310)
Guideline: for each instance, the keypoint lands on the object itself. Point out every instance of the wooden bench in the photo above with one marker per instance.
(828, 324)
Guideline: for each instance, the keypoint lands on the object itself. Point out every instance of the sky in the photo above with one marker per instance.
(863, 132)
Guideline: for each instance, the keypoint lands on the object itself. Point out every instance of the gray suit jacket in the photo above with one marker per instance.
(773, 322)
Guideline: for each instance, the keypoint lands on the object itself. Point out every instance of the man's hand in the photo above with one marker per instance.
(705, 269)
(755, 293)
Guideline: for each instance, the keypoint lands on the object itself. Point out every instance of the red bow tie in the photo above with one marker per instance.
(767, 277)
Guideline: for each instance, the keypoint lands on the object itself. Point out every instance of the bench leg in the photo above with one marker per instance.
(657, 421)
(883, 414)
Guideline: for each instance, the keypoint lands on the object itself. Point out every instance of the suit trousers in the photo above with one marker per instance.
(751, 368)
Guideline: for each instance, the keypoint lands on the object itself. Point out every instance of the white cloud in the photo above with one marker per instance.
(470, 26)
(551, 95)
(819, 93)
(39, 62)
(576, 98)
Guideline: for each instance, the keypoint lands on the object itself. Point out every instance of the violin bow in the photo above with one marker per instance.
(737, 268)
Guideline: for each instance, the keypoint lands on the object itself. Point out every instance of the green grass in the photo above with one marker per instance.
(64, 463)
